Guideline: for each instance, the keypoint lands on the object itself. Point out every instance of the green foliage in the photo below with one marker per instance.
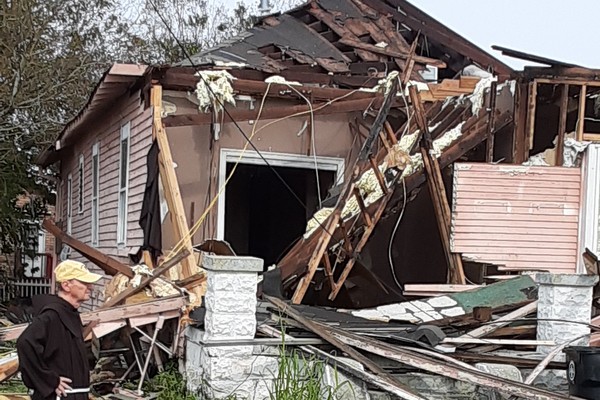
(13, 386)
(53, 52)
(169, 385)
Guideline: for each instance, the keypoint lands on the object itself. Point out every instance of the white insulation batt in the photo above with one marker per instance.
(369, 185)
(214, 90)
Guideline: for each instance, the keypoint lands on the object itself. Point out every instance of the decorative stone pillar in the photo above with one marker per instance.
(214, 368)
(564, 308)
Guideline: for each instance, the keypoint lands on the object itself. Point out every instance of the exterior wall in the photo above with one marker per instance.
(107, 134)
(521, 218)
(197, 155)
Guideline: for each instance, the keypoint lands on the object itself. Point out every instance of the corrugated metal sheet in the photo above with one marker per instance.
(521, 218)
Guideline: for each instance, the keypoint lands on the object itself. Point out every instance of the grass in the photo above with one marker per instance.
(169, 385)
(300, 377)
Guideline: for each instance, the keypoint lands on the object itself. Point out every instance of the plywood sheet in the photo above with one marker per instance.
(520, 218)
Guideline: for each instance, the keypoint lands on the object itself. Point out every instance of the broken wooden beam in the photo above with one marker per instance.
(133, 290)
(357, 44)
(440, 367)
(108, 264)
(170, 184)
(502, 321)
(341, 106)
(437, 191)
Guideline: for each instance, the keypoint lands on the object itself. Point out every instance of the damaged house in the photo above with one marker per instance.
(375, 160)
(286, 143)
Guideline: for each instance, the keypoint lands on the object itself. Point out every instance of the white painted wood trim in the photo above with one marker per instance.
(590, 209)
(122, 224)
(275, 159)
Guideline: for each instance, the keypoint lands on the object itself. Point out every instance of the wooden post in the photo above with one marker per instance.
(171, 190)
(437, 191)
(531, 104)
(581, 115)
(520, 151)
(562, 125)
(491, 124)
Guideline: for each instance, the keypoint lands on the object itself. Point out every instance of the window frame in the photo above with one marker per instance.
(69, 189)
(123, 184)
(95, 194)
(81, 182)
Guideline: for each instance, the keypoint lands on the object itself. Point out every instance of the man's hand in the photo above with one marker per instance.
(63, 386)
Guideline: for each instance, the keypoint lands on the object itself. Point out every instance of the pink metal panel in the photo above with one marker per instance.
(518, 217)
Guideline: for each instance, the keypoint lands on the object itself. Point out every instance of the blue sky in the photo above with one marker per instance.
(563, 30)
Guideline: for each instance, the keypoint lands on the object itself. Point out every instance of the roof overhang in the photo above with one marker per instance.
(115, 82)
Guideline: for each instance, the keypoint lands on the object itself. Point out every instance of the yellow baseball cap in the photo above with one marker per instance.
(71, 269)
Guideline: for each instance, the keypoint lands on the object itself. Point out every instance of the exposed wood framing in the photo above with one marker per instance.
(562, 124)
(489, 146)
(519, 151)
(437, 190)
(531, 108)
(107, 264)
(581, 114)
(390, 53)
(325, 235)
(172, 193)
(342, 106)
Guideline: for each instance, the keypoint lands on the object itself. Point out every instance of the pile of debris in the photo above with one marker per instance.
(136, 330)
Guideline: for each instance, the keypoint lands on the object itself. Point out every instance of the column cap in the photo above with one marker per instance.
(566, 279)
(231, 263)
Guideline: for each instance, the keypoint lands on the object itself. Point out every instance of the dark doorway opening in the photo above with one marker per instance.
(262, 217)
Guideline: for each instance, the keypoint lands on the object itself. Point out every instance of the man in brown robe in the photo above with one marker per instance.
(52, 354)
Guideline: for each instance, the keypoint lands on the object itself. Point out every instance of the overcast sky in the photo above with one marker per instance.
(564, 30)
(559, 29)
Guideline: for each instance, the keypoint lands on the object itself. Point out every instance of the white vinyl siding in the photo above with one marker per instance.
(95, 192)
(123, 184)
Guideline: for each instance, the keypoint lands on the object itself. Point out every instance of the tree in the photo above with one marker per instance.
(52, 53)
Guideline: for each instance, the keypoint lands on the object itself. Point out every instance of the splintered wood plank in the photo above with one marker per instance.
(324, 237)
(362, 242)
(172, 193)
(362, 206)
(531, 108)
(489, 151)
(562, 124)
(390, 53)
(378, 175)
(437, 191)
(581, 114)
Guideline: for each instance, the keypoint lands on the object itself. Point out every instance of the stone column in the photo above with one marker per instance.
(565, 302)
(217, 370)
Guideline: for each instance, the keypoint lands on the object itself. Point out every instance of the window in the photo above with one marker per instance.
(69, 204)
(80, 188)
(123, 183)
(95, 191)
